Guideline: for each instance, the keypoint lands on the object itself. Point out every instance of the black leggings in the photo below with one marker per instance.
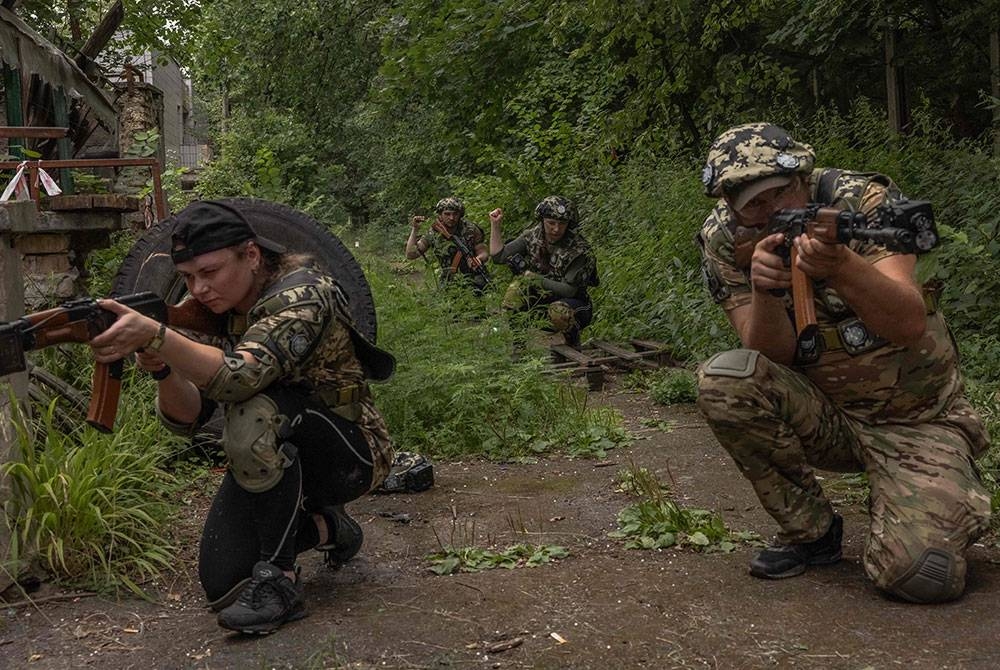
(333, 465)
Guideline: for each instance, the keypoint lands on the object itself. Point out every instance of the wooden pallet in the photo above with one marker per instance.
(595, 357)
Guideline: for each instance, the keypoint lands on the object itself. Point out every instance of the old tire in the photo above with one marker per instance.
(147, 266)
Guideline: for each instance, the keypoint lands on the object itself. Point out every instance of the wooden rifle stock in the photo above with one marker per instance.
(804, 301)
(824, 228)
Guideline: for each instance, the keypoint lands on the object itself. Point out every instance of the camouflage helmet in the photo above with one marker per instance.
(752, 152)
(558, 208)
(450, 204)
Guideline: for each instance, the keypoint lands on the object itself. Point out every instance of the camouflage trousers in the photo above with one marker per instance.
(566, 315)
(926, 494)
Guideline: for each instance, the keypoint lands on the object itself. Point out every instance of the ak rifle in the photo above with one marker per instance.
(81, 321)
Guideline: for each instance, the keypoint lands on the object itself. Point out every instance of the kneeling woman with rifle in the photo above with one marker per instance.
(301, 432)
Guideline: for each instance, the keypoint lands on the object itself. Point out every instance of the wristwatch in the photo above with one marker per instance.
(157, 341)
(161, 374)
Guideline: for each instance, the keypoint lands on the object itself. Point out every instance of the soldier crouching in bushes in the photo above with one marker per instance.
(554, 264)
(450, 232)
(301, 432)
(877, 389)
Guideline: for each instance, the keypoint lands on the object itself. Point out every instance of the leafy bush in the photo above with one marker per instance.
(674, 385)
(657, 522)
(474, 559)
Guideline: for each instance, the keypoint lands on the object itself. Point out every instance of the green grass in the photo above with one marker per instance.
(458, 392)
(92, 508)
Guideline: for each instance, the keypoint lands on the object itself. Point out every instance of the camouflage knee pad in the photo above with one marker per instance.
(935, 577)
(253, 439)
(562, 316)
(515, 297)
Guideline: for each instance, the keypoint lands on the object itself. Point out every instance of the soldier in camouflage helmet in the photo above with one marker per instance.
(450, 221)
(877, 390)
(555, 270)
(301, 433)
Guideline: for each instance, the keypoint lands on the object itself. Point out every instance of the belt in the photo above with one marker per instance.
(344, 401)
(853, 336)
(850, 335)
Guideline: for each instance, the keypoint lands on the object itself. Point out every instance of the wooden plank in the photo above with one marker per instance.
(657, 350)
(83, 163)
(102, 34)
(594, 375)
(625, 357)
(616, 350)
(13, 109)
(42, 243)
(603, 360)
(60, 114)
(649, 345)
(116, 202)
(572, 354)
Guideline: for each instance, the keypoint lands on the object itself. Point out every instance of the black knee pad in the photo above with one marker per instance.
(933, 578)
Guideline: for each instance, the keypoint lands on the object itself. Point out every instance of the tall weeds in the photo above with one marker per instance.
(93, 509)
(457, 392)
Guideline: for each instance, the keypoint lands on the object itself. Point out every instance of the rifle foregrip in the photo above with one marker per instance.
(804, 300)
(107, 388)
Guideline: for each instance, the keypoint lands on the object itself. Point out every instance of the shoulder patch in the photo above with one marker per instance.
(299, 345)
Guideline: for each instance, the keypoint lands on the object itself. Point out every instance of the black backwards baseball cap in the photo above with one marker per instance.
(208, 225)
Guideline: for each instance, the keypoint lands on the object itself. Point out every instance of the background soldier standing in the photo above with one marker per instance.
(889, 403)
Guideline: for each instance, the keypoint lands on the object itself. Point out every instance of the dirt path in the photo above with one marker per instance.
(602, 607)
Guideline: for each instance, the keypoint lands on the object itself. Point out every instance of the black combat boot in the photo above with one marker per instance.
(268, 601)
(788, 560)
(344, 536)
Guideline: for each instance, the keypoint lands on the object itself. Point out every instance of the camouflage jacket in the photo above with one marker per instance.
(569, 261)
(300, 332)
(444, 249)
(884, 383)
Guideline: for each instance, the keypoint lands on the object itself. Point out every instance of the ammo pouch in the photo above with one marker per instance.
(344, 402)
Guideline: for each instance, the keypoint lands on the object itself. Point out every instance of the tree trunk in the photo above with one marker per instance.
(895, 84)
(995, 86)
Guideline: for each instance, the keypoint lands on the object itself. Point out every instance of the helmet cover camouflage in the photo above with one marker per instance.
(450, 204)
(558, 208)
(750, 152)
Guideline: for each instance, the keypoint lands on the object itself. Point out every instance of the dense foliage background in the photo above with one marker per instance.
(362, 112)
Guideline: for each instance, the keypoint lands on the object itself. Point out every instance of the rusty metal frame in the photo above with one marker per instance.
(33, 132)
(83, 163)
